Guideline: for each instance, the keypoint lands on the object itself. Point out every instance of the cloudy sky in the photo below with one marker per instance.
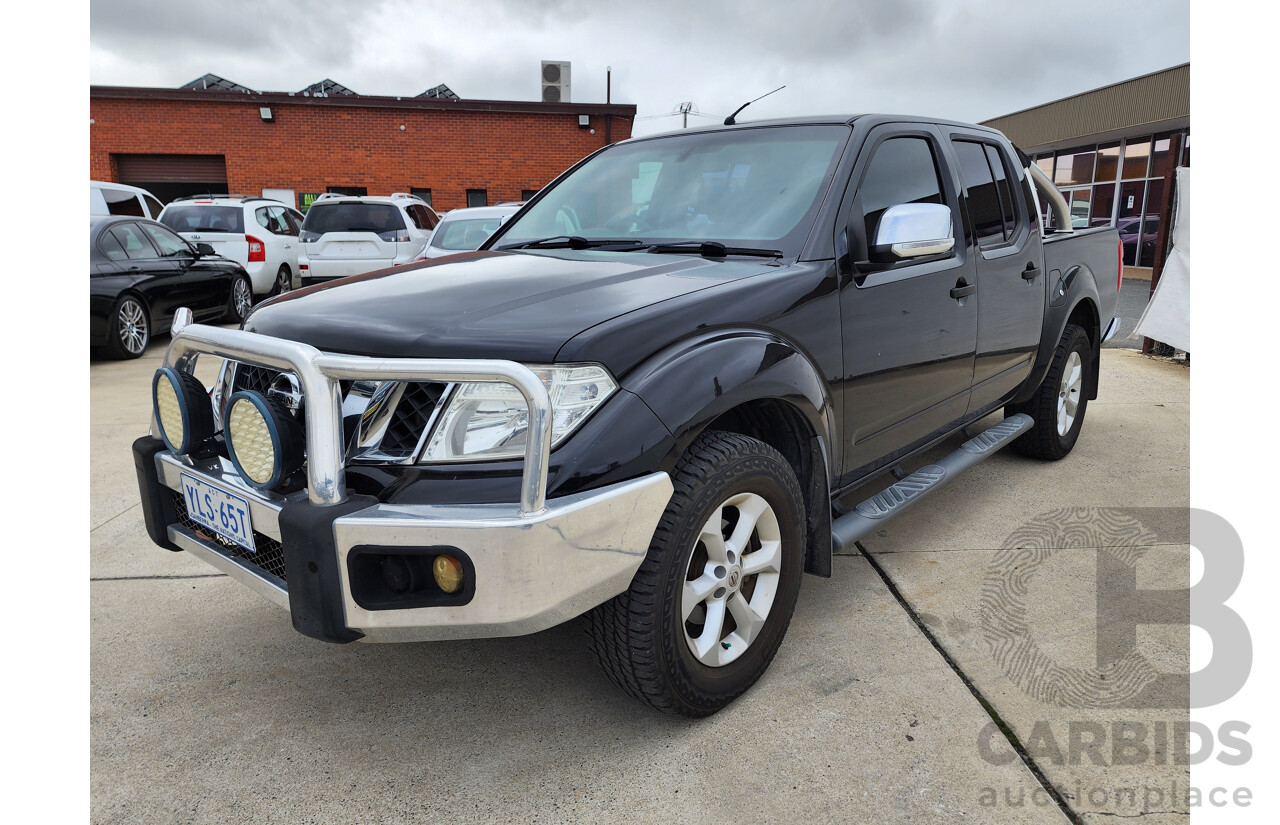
(962, 59)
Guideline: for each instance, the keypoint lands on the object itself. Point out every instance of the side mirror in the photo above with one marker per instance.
(205, 249)
(913, 230)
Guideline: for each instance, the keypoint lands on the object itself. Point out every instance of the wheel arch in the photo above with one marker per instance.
(757, 384)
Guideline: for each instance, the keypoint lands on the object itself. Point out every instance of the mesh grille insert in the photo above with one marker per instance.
(268, 559)
(409, 421)
(256, 379)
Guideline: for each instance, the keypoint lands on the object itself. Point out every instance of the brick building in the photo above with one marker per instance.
(215, 136)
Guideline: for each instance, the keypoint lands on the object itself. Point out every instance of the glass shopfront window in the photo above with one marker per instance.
(1136, 155)
(1108, 163)
(1104, 196)
(1074, 166)
(1165, 155)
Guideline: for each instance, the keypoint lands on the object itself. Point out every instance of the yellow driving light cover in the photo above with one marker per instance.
(448, 573)
(265, 441)
(183, 412)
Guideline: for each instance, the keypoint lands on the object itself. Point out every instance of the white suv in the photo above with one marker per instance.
(352, 234)
(258, 233)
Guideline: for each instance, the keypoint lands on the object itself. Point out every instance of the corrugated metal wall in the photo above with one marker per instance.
(1150, 99)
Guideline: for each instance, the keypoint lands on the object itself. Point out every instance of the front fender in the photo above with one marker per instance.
(693, 382)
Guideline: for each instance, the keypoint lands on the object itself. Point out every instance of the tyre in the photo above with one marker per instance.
(130, 328)
(284, 281)
(241, 300)
(708, 608)
(1059, 405)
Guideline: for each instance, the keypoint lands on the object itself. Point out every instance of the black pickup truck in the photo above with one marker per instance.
(648, 398)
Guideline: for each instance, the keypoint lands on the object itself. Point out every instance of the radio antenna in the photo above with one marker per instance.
(729, 120)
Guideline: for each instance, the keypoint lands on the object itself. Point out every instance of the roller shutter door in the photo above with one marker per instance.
(172, 168)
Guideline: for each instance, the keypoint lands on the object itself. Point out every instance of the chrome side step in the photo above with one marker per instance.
(872, 513)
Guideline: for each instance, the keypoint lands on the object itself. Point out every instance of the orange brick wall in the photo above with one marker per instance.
(310, 147)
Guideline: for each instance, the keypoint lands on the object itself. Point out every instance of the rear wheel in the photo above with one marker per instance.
(130, 329)
(284, 281)
(710, 605)
(1059, 405)
(241, 300)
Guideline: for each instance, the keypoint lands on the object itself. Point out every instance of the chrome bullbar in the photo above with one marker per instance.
(318, 373)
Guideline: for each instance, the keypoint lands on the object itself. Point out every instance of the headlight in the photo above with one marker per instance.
(491, 420)
(182, 408)
(265, 442)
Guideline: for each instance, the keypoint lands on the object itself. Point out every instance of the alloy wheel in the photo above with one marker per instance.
(134, 330)
(1069, 392)
(732, 579)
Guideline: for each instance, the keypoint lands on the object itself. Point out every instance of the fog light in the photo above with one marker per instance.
(182, 409)
(448, 573)
(266, 442)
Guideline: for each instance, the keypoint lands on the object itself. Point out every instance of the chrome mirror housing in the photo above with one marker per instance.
(914, 230)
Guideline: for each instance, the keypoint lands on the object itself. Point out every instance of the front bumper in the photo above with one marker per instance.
(532, 564)
(530, 572)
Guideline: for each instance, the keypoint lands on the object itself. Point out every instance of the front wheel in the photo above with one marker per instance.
(709, 607)
(1059, 405)
(241, 300)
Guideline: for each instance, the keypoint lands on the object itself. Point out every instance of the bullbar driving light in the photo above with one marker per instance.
(182, 409)
(266, 443)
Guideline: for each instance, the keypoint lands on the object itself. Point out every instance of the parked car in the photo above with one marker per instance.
(352, 234)
(140, 272)
(463, 230)
(1132, 234)
(260, 234)
(107, 198)
(659, 421)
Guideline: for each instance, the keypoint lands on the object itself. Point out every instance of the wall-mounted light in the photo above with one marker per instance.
(265, 112)
(584, 121)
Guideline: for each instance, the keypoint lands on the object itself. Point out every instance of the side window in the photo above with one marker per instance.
(273, 220)
(131, 240)
(903, 170)
(429, 217)
(111, 247)
(415, 215)
(294, 220)
(986, 221)
(154, 205)
(1007, 210)
(122, 202)
(264, 220)
(169, 244)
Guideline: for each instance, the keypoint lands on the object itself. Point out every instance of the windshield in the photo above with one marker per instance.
(464, 234)
(750, 187)
(204, 218)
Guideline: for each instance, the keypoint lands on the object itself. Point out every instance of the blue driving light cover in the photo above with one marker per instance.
(283, 432)
(189, 403)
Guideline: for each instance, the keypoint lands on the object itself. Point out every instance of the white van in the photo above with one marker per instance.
(122, 199)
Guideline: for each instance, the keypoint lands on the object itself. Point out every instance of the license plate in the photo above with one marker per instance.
(220, 511)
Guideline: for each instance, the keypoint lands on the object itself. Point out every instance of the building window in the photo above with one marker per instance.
(477, 197)
(527, 194)
(348, 190)
(425, 194)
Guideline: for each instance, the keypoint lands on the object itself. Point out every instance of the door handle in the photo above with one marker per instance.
(1030, 273)
(962, 289)
(135, 269)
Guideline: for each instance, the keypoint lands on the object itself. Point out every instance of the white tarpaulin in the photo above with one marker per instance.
(1167, 317)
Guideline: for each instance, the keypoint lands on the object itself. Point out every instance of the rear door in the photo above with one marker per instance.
(1005, 244)
(354, 237)
(908, 344)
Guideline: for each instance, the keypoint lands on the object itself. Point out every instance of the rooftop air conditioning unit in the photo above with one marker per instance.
(555, 81)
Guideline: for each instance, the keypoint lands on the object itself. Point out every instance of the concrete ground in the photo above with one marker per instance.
(1134, 295)
(885, 703)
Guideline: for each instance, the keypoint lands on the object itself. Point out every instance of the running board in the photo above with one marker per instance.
(874, 512)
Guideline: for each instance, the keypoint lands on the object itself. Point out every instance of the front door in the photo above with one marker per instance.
(910, 328)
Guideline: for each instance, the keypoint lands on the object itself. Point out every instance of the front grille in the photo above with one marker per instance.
(269, 558)
(255, 379)
(411, 417)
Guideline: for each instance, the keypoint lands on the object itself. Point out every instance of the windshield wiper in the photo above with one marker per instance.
(570, 242)
(713, 249)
